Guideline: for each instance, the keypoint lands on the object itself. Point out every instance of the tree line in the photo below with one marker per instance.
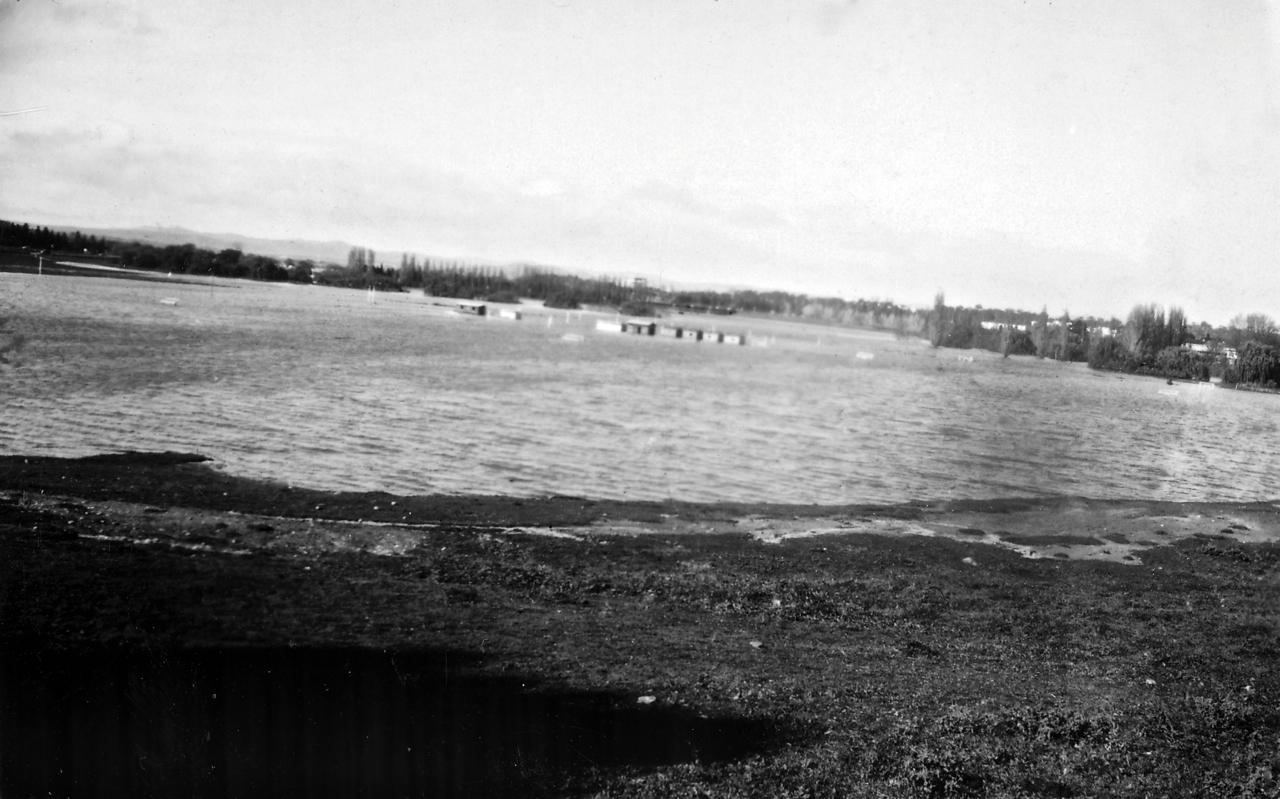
(446, 278)
(1256, 339)
(556, 289)
(1011, 331)
(1244, 353)
(1151, 341)
(188, 259)
(13, 234)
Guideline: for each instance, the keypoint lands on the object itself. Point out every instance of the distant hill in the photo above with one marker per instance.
(299, 249)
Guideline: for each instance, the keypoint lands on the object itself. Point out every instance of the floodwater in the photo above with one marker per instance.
(335, 389)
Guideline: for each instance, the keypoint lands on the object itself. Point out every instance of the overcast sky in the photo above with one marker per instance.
(1081, 155)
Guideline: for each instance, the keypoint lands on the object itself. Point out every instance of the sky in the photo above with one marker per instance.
(1081, 156)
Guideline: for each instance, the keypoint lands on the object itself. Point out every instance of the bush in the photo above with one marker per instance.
(634, 308)
(563, 300)
(958, 337)
(509, 297)
(1110, 354)
(1184, 365)
(1259, 365)
(1021, 343)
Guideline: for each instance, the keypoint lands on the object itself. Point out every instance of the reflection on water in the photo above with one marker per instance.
(323, 387)
(295, 722)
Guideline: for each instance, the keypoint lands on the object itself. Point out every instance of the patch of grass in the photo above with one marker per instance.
(890, 668)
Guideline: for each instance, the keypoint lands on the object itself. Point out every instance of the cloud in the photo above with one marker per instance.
(101, 15)
(542, 187)
(830, 15)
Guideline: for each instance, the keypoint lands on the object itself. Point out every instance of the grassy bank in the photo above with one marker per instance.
(840, 665)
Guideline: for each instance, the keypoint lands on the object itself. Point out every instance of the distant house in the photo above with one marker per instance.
(992, 325)
(1229, 354)
(1208, 347)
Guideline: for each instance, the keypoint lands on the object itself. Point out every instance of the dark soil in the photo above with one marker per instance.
(167, 630)
(172, 478)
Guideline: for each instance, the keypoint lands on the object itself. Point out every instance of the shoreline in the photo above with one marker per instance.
(1034, 527)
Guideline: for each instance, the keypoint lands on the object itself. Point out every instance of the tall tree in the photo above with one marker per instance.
(1258, 324)
(938, 320)
(1040, 332)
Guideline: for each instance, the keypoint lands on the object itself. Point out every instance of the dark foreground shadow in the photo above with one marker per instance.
(292, 722)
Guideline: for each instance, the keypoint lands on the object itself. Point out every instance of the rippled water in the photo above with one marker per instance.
(327, 388)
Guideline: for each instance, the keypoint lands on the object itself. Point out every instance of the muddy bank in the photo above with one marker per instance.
(183, 479)
(798, 651)
(183, 485)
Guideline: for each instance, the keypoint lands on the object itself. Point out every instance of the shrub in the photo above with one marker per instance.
(1182, 364)
(635, 308)
(1259, 365)
(1108, 353)
(563, 300)
(506, 296)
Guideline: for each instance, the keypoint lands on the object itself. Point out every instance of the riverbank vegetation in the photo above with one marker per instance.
(1242, 354)
(1151, 341)
(1258, 368)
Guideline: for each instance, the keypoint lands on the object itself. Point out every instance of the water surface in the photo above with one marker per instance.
(330, 389)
